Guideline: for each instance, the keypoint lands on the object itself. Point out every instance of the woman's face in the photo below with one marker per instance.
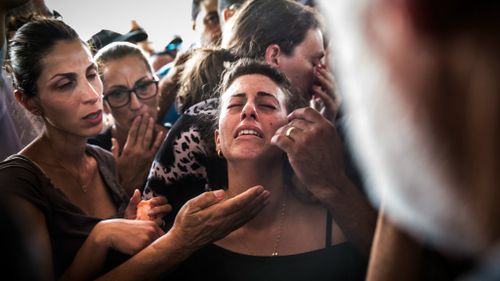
(299, 66)
(252, 109)
(127, 73)
(70, 90)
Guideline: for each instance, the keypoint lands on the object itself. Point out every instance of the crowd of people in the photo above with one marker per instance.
(244, 157)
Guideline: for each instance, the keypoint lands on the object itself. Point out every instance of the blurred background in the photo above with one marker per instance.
(161, 19)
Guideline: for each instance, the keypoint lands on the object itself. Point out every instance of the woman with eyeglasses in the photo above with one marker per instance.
(131, 98)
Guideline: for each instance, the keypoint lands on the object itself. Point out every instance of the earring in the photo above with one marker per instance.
(219, 153)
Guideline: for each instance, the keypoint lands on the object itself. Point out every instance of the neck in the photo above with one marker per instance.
(65, 147)
(269, 174)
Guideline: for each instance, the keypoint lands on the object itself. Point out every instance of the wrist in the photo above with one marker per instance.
(175, 246)
(98, 235)
(334, 190)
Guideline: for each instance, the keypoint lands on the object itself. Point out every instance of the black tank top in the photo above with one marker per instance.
(334, 262)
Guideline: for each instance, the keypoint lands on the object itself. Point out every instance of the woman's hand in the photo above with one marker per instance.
(211, 216)
(325, 100)
(154, 209)
(138, 152)
(126, 236)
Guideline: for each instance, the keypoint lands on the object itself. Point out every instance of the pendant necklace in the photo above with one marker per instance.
(280, 229)
(83, 185)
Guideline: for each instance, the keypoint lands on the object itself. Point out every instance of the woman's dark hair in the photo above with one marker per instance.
(248, 66)
(30, 44)
(201, 76)
(260, 23)
(119, 50)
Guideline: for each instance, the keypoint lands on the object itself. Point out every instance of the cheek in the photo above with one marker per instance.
(121, 116)
(152, 107)
(280, 122)
(56, 109)
(225, 129)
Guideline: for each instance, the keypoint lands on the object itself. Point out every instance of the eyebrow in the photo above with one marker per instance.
(72, 75)
(259, 94)
(135, 83)
(266, 94)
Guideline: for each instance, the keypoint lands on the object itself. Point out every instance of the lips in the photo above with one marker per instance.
(248, 131)
(94, 117)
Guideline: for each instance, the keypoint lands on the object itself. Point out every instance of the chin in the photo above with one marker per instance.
(244, 155)
(94, 131)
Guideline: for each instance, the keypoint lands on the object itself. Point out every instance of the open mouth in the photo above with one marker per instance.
(248, 132)
(94, 115)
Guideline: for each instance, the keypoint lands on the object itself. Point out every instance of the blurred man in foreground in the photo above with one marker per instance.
(420, 84)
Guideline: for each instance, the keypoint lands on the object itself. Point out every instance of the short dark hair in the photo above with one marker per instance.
(248, 66)
(260, 23)
(30, 44)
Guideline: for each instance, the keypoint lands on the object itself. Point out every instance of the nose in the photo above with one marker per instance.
(91, 94)
(248, 111)
(135, 103)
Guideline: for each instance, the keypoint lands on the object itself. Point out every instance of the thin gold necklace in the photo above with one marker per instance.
(280, 229)
(83, 186)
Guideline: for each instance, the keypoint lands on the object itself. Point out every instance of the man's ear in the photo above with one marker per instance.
(193, 25)
(29, 103)
(273, 55)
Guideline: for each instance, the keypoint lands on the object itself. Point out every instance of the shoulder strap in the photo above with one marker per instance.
(329, 234)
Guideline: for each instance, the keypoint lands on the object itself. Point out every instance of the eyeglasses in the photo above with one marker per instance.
(120, 96)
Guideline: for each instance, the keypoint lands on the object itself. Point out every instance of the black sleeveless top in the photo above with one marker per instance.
(67, 224)
(334, 262)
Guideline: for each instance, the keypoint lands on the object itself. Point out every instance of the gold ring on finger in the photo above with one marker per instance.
(289, 131)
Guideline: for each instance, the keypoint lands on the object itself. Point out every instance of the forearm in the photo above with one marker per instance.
(352, 212)
(89, 259)
(394, 256)
(152, 262)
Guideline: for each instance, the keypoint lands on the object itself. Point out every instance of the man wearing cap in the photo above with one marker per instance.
(104, 37)
(167, 55)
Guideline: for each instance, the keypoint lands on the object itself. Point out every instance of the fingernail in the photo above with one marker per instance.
(266, 193)
(260, 188)
(219, 194)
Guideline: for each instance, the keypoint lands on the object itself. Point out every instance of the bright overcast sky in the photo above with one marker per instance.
(161, 19)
